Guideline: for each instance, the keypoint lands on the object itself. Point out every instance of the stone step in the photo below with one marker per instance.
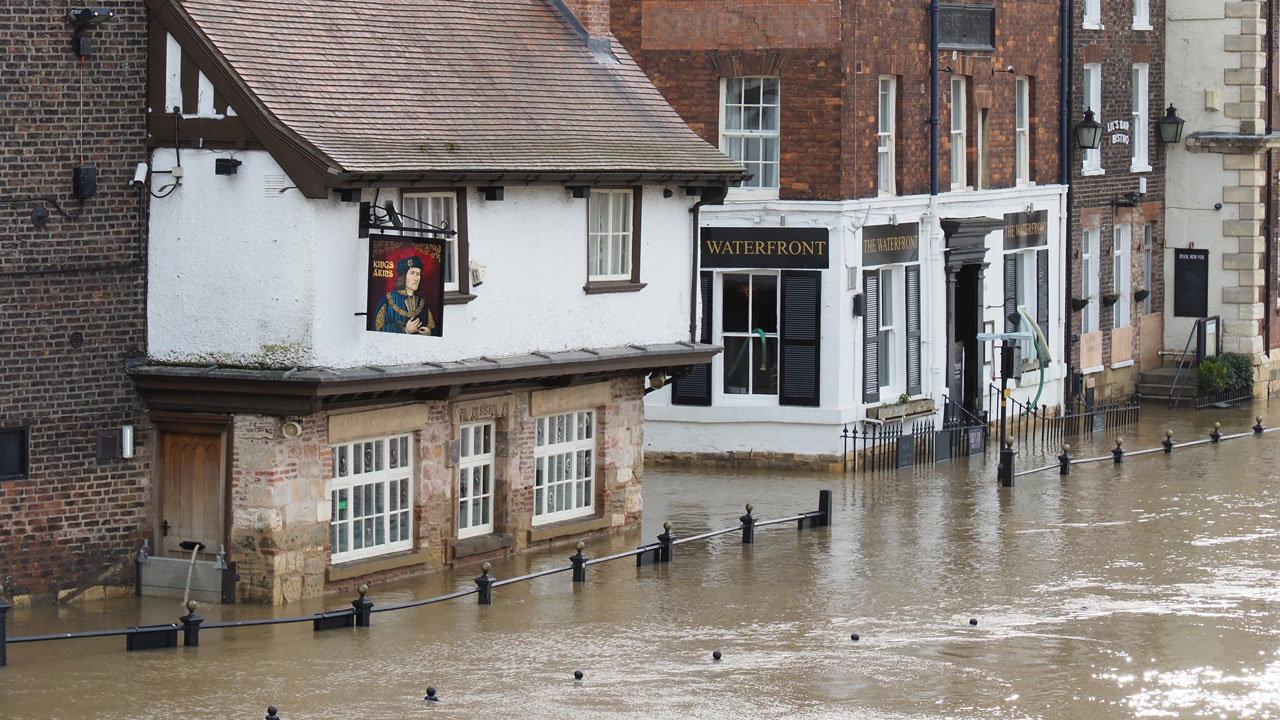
(1186, 391)
(1166, 374)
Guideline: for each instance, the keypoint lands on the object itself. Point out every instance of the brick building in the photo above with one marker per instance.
(1117, 197)
(828, 104)
(1222, 246)
(72, 299)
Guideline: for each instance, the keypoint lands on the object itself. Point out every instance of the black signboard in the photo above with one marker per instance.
(1190, 282)
(906, 451)
(1025, 230)
(966, 27)
(885, 244)
(735, 247)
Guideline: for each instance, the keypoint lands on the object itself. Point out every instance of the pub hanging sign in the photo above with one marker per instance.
(737, 247)
(406, 285)
(887, 244)
(1026, 229)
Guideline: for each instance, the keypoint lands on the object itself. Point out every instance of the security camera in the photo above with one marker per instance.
(88, 17)
(140, 175)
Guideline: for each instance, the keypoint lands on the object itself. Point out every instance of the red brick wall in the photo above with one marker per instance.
(593, 14)
(1117, 47)
(74, 517)
(829, 57)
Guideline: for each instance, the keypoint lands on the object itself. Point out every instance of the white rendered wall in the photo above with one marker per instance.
(743, 423)
(241, 277)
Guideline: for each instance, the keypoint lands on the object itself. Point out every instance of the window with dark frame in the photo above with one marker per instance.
(963, 26)
(613, 240)
(14, 459)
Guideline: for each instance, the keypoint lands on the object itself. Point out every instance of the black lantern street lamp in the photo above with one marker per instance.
(1170, 126)
(1089, 132)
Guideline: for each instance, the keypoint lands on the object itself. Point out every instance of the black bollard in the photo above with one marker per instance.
(1167, 442)
(748, 527)
(485, 583)
(973, 621)
(431, 695)
(716, 656)
(665, 539)
(271, 713)
(1007, 454)
(1117, 453)
(824, 507)
(579, 562)
(4, 633)
(1215, 436)
(1064, 460)
(363, 606)
(577, 674)
(1257, 428)
(191, 626)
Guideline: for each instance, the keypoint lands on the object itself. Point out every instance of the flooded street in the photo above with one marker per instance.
(1151, 589)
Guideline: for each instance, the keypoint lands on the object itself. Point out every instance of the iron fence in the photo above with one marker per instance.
(1045, 426)
(957, 432)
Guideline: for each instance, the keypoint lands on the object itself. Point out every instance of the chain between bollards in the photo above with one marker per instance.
(485, 583)
(1117, 453)
(579, 562)
(1167, 442)
(1064, 460)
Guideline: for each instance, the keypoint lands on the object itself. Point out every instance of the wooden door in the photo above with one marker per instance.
(192, 468)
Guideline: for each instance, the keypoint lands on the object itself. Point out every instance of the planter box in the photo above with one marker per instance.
(885, 413)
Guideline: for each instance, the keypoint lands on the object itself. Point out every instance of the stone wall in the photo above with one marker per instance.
(280, 531)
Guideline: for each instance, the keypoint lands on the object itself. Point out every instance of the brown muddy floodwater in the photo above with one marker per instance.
(1145, 590)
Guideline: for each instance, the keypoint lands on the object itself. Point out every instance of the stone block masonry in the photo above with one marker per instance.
(71, 300)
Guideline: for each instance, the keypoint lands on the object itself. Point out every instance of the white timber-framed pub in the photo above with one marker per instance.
(322, 426)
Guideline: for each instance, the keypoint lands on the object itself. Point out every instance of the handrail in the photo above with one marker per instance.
(1175, 393)
(362, 608)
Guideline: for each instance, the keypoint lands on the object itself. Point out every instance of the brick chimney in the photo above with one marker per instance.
(593, 14)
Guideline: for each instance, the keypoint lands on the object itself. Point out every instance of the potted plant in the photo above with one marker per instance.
(1141, 294)
(1110, 299)
(1078, 304)
(904, 407)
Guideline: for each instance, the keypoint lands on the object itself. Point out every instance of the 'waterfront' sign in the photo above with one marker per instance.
(736, 247)
(1024, 230)
(886, 244)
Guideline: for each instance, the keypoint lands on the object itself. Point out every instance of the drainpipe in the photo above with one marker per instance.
(710, 196)
(933, 97)
(1268, 212)
(1064, 177)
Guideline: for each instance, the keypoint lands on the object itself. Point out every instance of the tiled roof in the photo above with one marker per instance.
(449, 85)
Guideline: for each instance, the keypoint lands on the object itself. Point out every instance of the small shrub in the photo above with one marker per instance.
(1211, 376)
(1239, 371)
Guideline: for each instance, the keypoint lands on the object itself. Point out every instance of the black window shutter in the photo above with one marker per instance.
(871, 337)
(799, 341)
(694, 387)
(1010, 292)
(913, 330)
(1042, 292)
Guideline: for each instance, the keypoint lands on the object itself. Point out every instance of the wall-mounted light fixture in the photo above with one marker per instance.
(493, 193)
(1170, 126)
(1088, 132)
(84, 19)
(226, 166)
(126, 441)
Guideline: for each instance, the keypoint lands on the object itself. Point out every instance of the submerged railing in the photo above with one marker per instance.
(362, 609)
(1167, 446)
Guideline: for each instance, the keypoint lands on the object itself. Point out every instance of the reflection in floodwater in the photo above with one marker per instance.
(1149, 589)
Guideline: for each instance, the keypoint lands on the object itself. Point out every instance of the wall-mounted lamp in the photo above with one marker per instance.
(39, 216)
(291, 429)
(126, 441)
(493, 193)
(1170, 126)
(859, 305)
(1088, 132)
(84, 19)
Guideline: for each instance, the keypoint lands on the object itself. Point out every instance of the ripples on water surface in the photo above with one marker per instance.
(1147, 590)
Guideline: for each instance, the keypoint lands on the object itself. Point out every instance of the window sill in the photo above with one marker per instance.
(1092, 370)
(576, 526)
(1139, 168)
(479, 544)
(356, 568)
(751, 194)
(1145, 26)
(1092, 172)
(453, 297)
(1121, 364)
(1086, 25)
(612, 286)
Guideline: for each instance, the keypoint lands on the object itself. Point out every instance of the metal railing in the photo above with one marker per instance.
(891, 446)
(361, 610)
(1167, 446)
(1031, 425)
(1198, 335)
